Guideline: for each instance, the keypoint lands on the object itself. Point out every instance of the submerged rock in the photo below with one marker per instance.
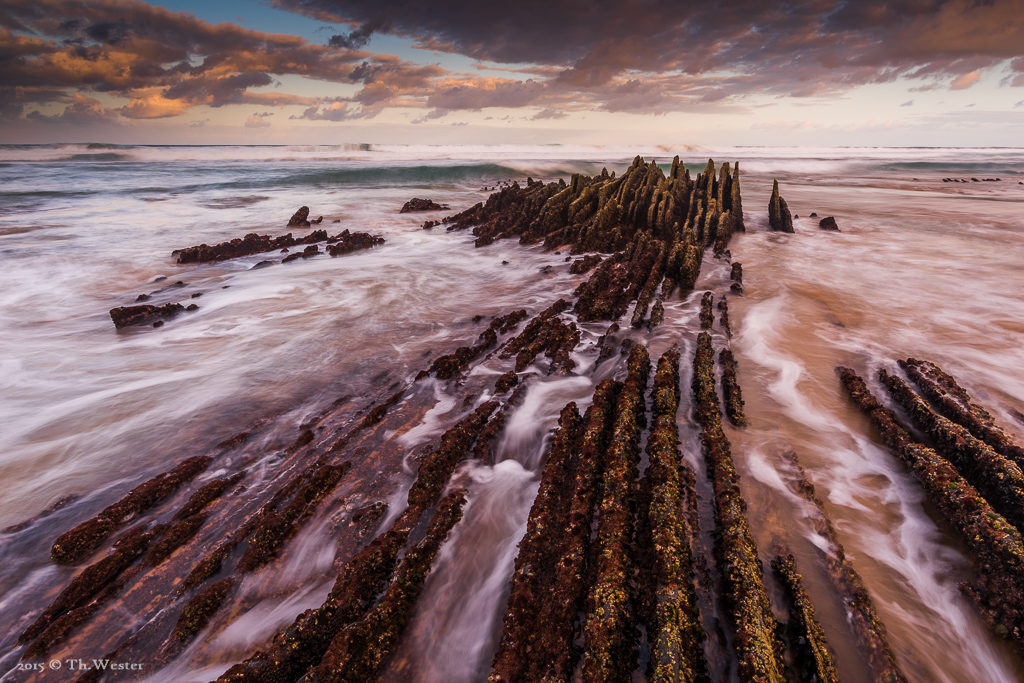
(126, 316)
(417, 204)
(828, 223)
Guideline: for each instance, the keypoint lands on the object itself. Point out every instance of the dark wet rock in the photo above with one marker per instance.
(814, 659)
(779, 218)
(657, 315)
(736, 288)
(303, 645)
(868, 629)
(309, 252)
(192, 307)
(506, 382)
(417, 204)
(262, 264)
(549, 583)
(176, 536)
(358, 651)
(278, 526)
(348, 242)
(828, 223)
(744, 594)
(731, 389)
(658, 226)
(74, 545)
(813, 215)
(606, 343)
(158, 323)
(199, 610)
(257, 244)
(449, 365)
(142, 297)
(997, 478)
(318, 221)
(205, 495)
(608, 629)
(583, 265)
(430, 224)
(126, 316)
(300, 219)
(546, 334)
(665, 527)
(953, 402)
(93, 579)
(723, 309)
(736, 274)
(996, 545)
(707, 314)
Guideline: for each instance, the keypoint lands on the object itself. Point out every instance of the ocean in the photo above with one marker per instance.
(922, 267)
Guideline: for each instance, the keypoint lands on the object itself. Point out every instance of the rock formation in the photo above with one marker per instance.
(779, 218)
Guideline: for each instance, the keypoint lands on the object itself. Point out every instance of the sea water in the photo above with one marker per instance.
(921, 268)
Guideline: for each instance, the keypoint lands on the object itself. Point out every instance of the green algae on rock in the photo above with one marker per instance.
(757, 648)
(953, 401)
(998, 479)
(779, 217)
(868, 628)
(808, 643)
(609, 633)
(357, 652)
(76, 544)
(668, 597)
(997, 545)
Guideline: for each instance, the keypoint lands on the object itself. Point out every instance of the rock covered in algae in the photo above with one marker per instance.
(814, 661)
(998, 479)
(549, 586)
(417, 204)
(707, 315)
(779, 218)
(953, 401)
(731, 391)
(664, 554)
(126, 316)
(304, 643)
(608, 630)
(76, 544)
(746, 599)
(357, 652)
(997, 545)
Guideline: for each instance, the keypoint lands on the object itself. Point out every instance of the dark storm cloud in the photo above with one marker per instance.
(166, 62)
(564, 56)
(797, 48)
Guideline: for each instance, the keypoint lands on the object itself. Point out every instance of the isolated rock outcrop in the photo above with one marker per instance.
(779, 217)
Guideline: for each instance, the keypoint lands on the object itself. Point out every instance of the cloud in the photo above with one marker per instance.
(805, 48)
(258, 120)
(549, 114)
(908, 103)
(163, 63)
(81, 110)
(965, 81)
(559, 56)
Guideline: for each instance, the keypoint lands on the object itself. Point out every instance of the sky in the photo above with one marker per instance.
(604, 72)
